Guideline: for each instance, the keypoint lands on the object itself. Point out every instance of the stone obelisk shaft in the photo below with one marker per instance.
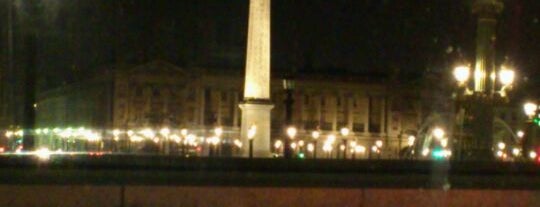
(257, 106)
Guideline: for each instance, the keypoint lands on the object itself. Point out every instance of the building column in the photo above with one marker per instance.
(350, 112)
(218, 110)
(235, 109)
(201, 107)
(367, 103)
(318, 110)
(383, 116)
(334, 113)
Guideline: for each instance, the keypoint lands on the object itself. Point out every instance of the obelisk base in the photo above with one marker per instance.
(256, 113)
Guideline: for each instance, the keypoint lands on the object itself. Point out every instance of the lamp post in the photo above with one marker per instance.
(531, 110)
(218, 131)
(315, 135)
(490, 82)
(288, 86)
(251, 134)
(291, 133)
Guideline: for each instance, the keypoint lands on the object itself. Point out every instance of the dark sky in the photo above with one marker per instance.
(75, 37)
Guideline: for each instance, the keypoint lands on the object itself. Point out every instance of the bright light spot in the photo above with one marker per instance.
(293, 145)
(438, 133)
(184, 132)
(278, 144)
(238, 143)
(353, 144)
(310, 147)
(374, 149)
(176, 138)
(410, 140)
(43, 153)
(344, 131)
(116, 132)
(301, 143)
(520, 134)
(165, 132)
(379, 143)
(148, 133)
(342, 147)
(2, 149)
(425, 152)
(462, 73)
(252, 131)
(218, 131)
(360, 149)
(532, 154)
(501, 145)
(315, 134)
(530, 109)
(327, 148)
(515, 151)
(331, 138)
(499, 153)
(130, 133)
(444, 143)
(506, 76)
(291, 131)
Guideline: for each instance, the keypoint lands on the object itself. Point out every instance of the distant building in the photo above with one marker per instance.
(159, 94)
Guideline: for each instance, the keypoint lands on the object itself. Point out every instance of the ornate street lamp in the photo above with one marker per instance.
(490, 83)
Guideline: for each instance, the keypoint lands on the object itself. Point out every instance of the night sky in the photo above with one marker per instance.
(406, 37)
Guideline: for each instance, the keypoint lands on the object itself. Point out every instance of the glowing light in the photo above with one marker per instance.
(310, 147)
(301, 143)
(327, 148)
(252, 131)
(165, 132)
(238, 143)
(532, 154)
(116, 132)
(344, 131)
(176, 138)
(438, 133)
(506, 76)
(148, 133)
(444, 143)
(43, 154)
(530, 109)
(374, 148)
(353, 144)
(130, 133)
(184, 132)
(379, 143)
(410, 140)
(219, 131)
(331, 138)
(342, 147)
(515, 151)
(135, 138)
(8, 134)
(315, 134)
(520, 134)
(501, 145)
(293, 145)
(499, 153)
(360, 149)
(462, 73)
(291, 131)
(278, 144)
(425, 152)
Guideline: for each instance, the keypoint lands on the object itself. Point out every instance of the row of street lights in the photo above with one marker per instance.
(293, 147)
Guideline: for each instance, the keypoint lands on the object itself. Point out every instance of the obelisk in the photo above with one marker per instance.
(256, 106)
